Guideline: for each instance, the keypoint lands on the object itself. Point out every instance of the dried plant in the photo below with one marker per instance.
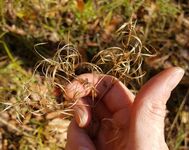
(124, 63)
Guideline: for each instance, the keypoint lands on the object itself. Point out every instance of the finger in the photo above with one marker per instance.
(109, 90)
(81, 86)
(78, 139)
(101, 111)
(83, 110)
(157, 90)
(117, 96)
(149, 109)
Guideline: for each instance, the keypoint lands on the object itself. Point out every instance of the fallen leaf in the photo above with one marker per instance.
(80, 5)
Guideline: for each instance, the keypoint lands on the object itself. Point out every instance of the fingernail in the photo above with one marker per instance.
(83, 148)
(175, 78)
(80, 116)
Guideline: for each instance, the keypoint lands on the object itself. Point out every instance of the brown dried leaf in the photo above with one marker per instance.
(80, 5)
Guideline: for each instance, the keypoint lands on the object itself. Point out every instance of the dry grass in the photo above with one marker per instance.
(124, 62)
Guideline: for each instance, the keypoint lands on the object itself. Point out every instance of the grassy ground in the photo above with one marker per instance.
(33, 111)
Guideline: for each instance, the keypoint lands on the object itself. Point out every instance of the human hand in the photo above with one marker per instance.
(114, 119)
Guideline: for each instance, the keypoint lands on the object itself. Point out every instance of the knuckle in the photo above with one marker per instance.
(156, 110)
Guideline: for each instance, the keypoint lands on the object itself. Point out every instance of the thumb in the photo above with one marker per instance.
(147, 126)
(154, 94)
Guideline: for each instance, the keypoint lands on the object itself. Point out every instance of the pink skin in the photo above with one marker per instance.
(117, 120)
